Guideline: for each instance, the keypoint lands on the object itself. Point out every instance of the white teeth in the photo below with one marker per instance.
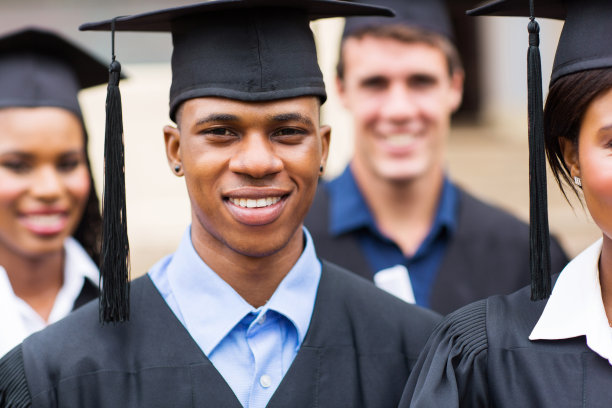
(45, 220)
(400, 139)
(254, 202)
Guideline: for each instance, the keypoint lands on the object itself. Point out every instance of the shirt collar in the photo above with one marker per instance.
(211, 308)
(575, 307)
(78, 266)
(18, 317)
(349, 210)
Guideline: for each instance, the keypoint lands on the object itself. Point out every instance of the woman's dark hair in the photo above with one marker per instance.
(89, 229)
(568, 100)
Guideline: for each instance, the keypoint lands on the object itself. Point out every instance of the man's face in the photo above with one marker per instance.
(251, 170)
(401, 97)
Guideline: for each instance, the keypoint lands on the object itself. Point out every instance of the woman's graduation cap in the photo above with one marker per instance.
(584, 44)
(248, 50)
(430, 15)
(40, 68)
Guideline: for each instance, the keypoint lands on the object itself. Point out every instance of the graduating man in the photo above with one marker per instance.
(243, 313)
(394, 215)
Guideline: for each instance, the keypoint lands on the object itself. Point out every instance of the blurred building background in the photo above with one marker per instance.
(488, 146)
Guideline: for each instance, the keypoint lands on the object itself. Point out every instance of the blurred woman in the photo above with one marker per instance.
(49, 211)
(508, 351)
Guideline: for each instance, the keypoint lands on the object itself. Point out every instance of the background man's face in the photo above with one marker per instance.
(251, 170)
(401, 97)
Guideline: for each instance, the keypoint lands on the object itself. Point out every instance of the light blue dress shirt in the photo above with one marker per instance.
(251, 347)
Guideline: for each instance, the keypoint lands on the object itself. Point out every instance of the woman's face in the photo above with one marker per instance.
(593, 161)
(44, 179)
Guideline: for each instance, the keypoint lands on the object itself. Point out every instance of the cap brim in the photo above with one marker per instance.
(520, 8)
(161, 20)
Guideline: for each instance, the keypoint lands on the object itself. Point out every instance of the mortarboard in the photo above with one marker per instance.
(248, 50)
(583, 45)
(40, 68)
(585, 39)
(431, 15)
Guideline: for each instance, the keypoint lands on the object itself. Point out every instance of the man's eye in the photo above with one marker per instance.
(374, 83)
(288, 132)
(422, 81)
(218, 132)
(289, 135)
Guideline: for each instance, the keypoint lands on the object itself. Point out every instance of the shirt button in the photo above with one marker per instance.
(262, 319)
(265, 381)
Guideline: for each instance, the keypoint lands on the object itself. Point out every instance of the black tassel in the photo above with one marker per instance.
(115, 263)
(538, 203)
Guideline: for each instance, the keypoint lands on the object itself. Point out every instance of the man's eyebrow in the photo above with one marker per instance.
(217, 117)
(292, 117)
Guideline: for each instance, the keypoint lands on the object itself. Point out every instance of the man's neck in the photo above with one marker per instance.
(404, 210)
(254, 278)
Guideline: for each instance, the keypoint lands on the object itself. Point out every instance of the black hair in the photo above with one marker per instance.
(89, 230)
(407, 35)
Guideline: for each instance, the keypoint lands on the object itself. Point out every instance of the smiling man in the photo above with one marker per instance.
(243, 313)
(394, 216)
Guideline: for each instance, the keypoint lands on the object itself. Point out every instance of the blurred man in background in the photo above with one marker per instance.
(394, 215)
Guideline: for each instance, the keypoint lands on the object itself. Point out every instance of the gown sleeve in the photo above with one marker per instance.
(452, 368)
(14, 392)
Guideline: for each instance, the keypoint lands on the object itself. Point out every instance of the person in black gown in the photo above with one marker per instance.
(509, 351)
(243, 313)
(49, 209)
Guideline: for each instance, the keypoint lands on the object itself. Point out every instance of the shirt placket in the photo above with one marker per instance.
(264, 341)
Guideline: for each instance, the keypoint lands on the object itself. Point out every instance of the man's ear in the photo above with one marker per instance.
(456, 85)
(340, 89)
(172, 139)
(325, 132)
(570, 156)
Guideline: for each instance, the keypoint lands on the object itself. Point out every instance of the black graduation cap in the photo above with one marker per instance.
(248, 50)
(586, 36)
(584, 44)
(41, 68)
(431, 15)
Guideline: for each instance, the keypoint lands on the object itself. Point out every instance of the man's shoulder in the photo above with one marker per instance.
(80, 334)
(84, 323)
(490, 217)
(360, 298)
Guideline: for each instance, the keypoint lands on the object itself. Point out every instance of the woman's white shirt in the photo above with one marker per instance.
(575, 307)
(18, 320)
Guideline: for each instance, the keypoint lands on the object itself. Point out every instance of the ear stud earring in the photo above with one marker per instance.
(177, 168)
(578, 181)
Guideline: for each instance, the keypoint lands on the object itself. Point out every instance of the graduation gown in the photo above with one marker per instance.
(481, 356)
(358, 352)
(487, 255)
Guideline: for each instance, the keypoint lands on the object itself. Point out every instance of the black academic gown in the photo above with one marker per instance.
(481, 356)
(88, 293)
(488, 253)
(358, 352)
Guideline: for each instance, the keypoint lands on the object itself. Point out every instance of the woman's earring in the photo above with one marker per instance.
(320, 169)
(177, 168)
(578, 181)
